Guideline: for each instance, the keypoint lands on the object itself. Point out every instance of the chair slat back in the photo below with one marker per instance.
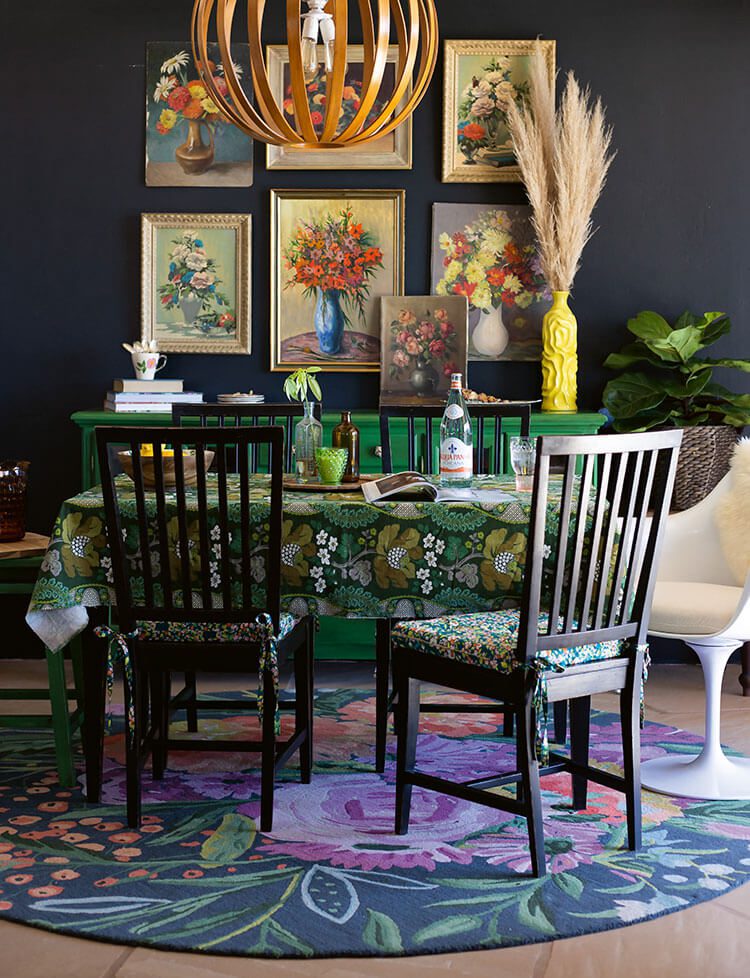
(252, 415)
(592, 550)
(423, 431)
(186, 539)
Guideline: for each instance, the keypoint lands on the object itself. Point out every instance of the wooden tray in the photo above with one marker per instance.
(290, 482)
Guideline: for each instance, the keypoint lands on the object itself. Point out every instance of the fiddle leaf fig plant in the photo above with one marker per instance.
(665, 380)
(298, 384)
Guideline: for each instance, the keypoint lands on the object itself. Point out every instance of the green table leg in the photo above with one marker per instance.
(61, 725)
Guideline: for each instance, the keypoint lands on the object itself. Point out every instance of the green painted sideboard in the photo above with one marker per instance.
(339, 638)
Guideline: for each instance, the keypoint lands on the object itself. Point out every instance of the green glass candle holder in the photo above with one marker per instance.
(331, 464)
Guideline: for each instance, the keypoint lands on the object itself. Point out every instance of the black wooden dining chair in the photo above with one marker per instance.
(186, 547)
(581, 629)
(239, 415)
(235, 416)
(422, 422)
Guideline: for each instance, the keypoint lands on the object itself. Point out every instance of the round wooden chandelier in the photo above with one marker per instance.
(412, 22)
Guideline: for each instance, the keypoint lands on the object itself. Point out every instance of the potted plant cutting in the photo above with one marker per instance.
(303, 386)
(667, 382)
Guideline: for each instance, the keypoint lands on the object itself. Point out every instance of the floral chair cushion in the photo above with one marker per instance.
(189, 631)
(489, 639)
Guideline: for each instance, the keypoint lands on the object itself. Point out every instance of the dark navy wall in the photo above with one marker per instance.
(674, 221)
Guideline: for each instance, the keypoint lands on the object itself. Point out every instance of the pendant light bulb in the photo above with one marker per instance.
(317, 24)
(309, 60)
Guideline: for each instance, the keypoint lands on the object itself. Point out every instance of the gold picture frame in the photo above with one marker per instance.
(485, 156)
(391, 152)
(310, 325)
(177, 249)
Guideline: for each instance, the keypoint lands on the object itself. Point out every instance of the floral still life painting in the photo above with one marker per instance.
(481, 79)
(390, 152)
(196, 282)
(189, 143)
(488, 254)
(423, 341)
(333, 256)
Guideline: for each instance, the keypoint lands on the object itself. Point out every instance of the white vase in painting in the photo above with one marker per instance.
(190, 307)
(490, 337)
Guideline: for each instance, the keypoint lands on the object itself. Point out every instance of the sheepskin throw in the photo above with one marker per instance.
(733, 514)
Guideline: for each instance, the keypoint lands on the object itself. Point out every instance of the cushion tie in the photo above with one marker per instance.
(540, 666)
(644, 677)
(269, 661)
(118, 650)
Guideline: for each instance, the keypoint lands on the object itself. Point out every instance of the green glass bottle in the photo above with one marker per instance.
(346, 435)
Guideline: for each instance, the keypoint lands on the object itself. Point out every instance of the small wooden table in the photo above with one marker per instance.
(21, 560)
(32, 545)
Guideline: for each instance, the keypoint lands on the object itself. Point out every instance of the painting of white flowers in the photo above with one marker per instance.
(196, 282)
(189, 143)
(481, 79)
(488, 253)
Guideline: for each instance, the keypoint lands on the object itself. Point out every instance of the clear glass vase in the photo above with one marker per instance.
(308, 435)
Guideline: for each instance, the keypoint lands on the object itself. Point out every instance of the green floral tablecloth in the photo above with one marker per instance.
(340, 555)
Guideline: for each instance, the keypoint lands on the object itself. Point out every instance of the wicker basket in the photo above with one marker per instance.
(704, 461)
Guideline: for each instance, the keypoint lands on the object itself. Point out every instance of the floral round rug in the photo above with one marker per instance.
(332, 878)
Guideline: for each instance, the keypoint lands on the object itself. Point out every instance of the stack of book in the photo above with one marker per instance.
(148, 396)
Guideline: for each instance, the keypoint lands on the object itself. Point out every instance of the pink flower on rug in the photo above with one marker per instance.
(447, 724)
(349, 822)
(567, 845)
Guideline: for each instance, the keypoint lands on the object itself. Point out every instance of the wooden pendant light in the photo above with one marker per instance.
(414, 23)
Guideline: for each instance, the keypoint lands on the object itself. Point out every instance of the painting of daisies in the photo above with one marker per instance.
(189, 143)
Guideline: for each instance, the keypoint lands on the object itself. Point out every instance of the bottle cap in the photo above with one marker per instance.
(456, 381)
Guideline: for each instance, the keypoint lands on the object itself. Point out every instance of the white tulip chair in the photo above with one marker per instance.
(697, 600)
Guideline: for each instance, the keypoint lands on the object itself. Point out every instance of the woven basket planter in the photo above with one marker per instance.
(704, 461)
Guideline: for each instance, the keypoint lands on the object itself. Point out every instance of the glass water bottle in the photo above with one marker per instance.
(308, 435)
(456, 440)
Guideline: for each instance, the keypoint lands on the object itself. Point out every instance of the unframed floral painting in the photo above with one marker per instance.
(423, 340)
(488, 254)
(189, 143)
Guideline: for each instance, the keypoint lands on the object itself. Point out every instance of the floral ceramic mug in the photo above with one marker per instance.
(147, 365)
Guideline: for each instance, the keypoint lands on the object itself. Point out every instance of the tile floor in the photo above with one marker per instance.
(707, 941)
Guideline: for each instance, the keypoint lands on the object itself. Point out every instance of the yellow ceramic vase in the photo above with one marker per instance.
(559, 357)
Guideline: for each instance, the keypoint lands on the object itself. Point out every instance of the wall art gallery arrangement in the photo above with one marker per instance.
(335, 254)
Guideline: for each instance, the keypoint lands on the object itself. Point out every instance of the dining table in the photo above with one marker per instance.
(341, 556)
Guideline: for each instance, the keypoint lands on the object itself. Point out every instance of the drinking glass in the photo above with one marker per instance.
(522, 459)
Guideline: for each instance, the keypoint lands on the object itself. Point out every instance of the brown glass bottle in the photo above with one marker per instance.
(346, 435)
(13, 500)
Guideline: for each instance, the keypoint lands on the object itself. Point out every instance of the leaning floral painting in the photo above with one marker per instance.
(196, 272)
(189, 143)
(423, 340)
(488, 254)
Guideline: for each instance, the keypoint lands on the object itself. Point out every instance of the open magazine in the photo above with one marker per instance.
(412, 485)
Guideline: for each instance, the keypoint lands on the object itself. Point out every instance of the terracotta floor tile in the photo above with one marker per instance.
(681, 687)
(27, 952)
(521, 962)
(737, 900)
(701, 942)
